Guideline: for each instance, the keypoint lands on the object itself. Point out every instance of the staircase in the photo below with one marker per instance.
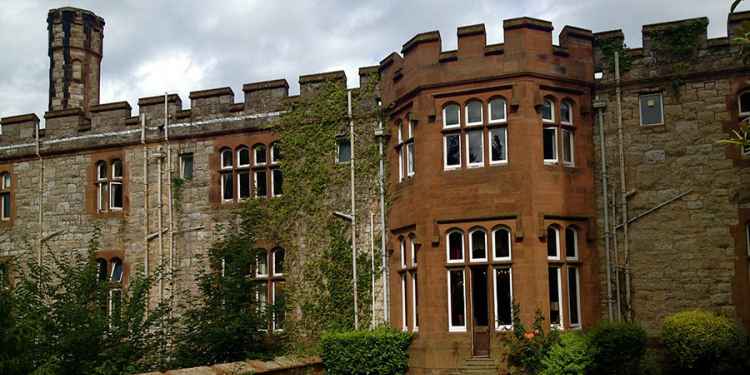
(478, 366)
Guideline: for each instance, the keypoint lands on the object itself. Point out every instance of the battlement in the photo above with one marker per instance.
(669, 49)
(527, 48)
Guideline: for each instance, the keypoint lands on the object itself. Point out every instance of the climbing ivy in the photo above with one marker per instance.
(679, 43)
(609, 47)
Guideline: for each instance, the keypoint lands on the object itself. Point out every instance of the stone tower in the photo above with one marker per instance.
(75, 54)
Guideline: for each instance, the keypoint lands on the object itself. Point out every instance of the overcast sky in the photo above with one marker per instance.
(155, 46)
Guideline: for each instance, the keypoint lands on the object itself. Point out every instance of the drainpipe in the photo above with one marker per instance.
(41, 194)
(145, 194)
(381, 183)
(618, 294)
(372, 268)
(600, 105)
(160, 221)
(354, 208)
(169, 193)
(623, 187)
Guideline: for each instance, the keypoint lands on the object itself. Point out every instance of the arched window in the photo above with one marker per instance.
(571, 243)
(478, 245)
(226, 159)
(568, 144)
(277, 177)
(261, 269)
(451, 116)
(455, 246)
(413, 247)
(548, 110)
(498, 111)
(260, 155)
(6, 184)
(115, 186)
(553, 242)
(226, 175)
(276, 155)
(474, 115)
(278, 261)
(501, 243)
(115, 275)
(402, 251)
(102, 186)
(243, 157)
(243, 172)
(744, 103)
(566, 113)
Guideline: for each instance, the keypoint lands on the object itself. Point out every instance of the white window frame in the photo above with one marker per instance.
(400, 154)
(445, 152)
(661, 109)
(255, 155)
(481, 113)
(471, 246)
(503, 327)
(505, 153)
(257, 264)
(552, 112)
(239, 190)
(273, 261)
(116, 180)
(273, 183)
(578, 296)
(112, 271)
(555, 146)
(445, 118)
(410, 126)
(448, 247)
(572, 145)
(414, 323)
(273, 300)
(510, 244)
(569, 105)
(402, 248)
(110, 300)
(505, 111)
(338, 150)
(182, 164)
(559, 298)
(404, 323)
(255, 183)
(451, 327)
(557, 242)
(410, 158)
(478, 164)
(102, 181)
(223, 183)
(413, 249)
(575, 243)
(239, 159)
(221, 156)
(5, 190)
(274, 147)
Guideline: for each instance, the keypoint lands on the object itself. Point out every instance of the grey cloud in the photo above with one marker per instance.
(154, 46)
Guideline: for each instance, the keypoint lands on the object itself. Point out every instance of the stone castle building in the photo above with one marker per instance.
(559, 177)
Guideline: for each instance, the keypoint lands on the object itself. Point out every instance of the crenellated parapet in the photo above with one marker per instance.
(670, 51)
(527, 49)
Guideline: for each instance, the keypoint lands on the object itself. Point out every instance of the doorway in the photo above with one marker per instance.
(480, 312)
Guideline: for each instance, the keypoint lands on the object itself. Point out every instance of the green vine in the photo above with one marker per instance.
(177, 187)
(609, 47)
(675, 45)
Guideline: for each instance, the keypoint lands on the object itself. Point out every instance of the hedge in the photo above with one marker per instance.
(380, 351)
(617, 347)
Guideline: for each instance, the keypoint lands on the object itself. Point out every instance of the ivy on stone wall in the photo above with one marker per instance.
(677, 44)
(609, 47)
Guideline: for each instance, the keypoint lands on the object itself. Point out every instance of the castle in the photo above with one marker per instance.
(559, 177)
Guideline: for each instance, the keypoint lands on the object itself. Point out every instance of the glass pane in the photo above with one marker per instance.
(6, 205)
(502, 243)
(552, 242)
(497, 110)
(458, 317)
(117, 169)
(226, 159)
(478, 249)
(244, 156)
(278, 182)
(228, 186)
(260, 154)
(565, 113)
(455, 246)
(279, 305)
(474, 112)
(101, 269)
(453, 150)
(244, 184)
(275, 152)
(651, 109)
(451, 115)
(410, 158)
(101, 171)
(547, 110)
(573, 295)
(187, 166)
(413, 251)
(6, 181)
(116, 270)
(554, 296)
(344, 151)
(745, 103)
(261, 185)
(262, 294)
(567, 146)
(475, 146)
(550, 144)
(416, 298)
(262, 263)
(504, 297)
(404, 304)
(278, 261)
(116, 195)
(571, 243)
(103, 195)
(497, 137)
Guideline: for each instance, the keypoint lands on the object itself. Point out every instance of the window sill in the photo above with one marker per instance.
(503, 163)
(475, 166)
(475, 125)
(497, 123)
(652, 125)
(457, 330)
(448, 169)
(551, 163)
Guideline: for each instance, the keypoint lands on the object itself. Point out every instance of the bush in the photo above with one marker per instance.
(571, 355)
(529, 346)
(698, 341)
(617, 347)
(381, 351)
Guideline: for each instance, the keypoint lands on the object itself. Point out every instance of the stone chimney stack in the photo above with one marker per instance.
(75, 56)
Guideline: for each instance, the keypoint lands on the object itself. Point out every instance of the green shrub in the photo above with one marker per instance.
(529, 346)
(698, 341)
(617, 347)
(571, 355)
(381, 351)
